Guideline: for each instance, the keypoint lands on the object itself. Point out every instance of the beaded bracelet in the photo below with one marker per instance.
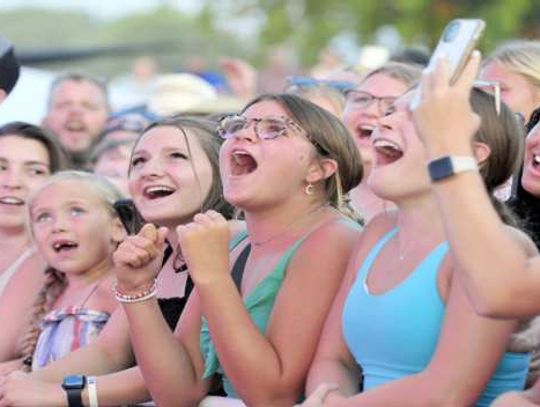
(133, 298)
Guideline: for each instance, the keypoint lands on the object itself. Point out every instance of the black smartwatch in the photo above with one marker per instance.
(74, 385)
(448, 166)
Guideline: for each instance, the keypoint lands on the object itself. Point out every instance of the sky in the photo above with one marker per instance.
(107, 9)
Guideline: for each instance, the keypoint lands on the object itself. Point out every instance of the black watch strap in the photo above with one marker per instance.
(74, 397)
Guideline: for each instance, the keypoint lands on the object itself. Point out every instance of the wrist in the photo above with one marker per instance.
(131, 296)
(334, 398)
(204, 279)
(129, 288)
(450, 148)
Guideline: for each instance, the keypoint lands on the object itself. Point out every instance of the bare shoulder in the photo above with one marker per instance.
(30, 275)
(523, 239)
(335, 232)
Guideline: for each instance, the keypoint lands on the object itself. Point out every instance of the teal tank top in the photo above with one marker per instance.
(259, 304)
(395, 334)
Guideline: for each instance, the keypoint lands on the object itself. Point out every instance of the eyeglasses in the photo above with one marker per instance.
(295, 83)
(496, 91)
(361, 100)
(266, 128)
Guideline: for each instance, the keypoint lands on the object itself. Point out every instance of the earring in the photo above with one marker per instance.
(309, 189)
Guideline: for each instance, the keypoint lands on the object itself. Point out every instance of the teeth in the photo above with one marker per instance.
(11, 200)
(382, 143)
(59, 245)
(158, 189)
(536, 159)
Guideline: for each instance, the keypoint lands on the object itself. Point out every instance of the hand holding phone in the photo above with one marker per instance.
(456, 45)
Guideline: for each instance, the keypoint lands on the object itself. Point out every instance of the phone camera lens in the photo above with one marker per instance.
(451, 32)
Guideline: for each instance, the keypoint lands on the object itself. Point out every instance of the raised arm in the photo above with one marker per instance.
(269, 368)
(501, 280)
(164, 361)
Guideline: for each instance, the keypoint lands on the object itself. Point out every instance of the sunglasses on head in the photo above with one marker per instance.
(295, 83)
(492, 87)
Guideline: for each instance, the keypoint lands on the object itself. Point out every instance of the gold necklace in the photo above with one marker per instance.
(291, 227)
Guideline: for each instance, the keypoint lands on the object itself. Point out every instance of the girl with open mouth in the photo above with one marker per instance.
(403, 314)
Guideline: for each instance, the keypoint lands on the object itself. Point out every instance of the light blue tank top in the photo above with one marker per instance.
(395, 334)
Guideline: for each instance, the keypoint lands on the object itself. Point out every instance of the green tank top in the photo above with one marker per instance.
(258, 303)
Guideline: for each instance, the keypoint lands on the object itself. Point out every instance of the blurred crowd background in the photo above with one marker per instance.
(131, 42)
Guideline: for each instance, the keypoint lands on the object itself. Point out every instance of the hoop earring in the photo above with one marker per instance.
(309, 189)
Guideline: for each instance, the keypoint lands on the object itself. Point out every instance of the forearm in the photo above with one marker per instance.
(246, 355)
(493, 264)
(417, 389)
(165, 364)
(125, 387)
(325, 370)
(94, 359)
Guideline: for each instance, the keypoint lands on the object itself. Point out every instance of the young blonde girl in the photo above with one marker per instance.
(75, 228)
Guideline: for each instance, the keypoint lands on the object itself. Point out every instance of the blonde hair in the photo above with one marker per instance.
(56, 281)
(521, 57)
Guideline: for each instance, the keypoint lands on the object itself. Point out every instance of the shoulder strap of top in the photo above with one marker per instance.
(239, 266)
(237, 239)
(374, 252)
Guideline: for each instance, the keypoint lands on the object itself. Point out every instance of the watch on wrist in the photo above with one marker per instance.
(74, 385)
(450, 165)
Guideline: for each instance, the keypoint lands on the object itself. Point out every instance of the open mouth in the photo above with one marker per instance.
(75, 125)
(60, 246)
(11, 200)
(536, 161)
(387, 151)
(242, 163)
(157, 191)
(364, 131)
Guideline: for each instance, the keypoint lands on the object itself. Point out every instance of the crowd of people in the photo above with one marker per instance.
(331, 244)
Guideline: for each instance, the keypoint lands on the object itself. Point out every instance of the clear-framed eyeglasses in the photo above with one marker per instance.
(360, 99)
(265, 128)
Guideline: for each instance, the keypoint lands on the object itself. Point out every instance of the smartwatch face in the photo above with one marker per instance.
(74, 382)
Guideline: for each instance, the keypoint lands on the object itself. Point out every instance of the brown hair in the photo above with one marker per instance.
(57, 156)
(332, 140)
(504, 135)
(206, 135)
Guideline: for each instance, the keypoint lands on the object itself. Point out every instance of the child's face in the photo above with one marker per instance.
(72, 228)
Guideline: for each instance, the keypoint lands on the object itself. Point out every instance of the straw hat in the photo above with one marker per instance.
(179, 93)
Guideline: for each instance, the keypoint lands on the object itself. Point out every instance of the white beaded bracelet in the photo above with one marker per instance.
(133, 298)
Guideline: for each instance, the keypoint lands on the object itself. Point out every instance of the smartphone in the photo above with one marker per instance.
(456, 44)
(129, 215)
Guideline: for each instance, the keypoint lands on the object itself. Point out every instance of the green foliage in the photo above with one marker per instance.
(307, 25)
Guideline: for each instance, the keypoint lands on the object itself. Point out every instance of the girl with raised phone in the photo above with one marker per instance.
(502, 279)
(402, 313)
(287, 164)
